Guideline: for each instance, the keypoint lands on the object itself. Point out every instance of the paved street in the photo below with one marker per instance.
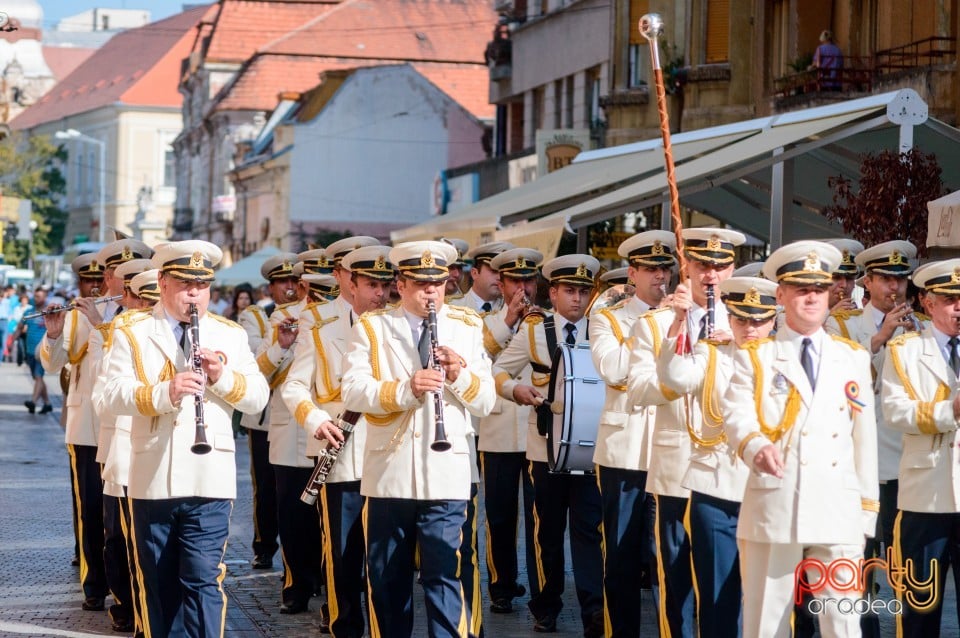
(39, 590)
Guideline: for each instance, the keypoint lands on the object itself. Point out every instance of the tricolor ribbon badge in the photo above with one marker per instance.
(852, 390)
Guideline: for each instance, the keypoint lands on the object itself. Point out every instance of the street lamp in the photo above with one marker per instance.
(74, 134)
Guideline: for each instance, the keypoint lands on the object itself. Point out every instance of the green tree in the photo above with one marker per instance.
(30, 169)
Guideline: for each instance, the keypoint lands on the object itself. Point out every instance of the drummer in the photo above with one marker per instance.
(556, 496)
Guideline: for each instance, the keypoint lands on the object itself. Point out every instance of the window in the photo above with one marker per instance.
(568, 103)
(169, 167)
(592, 101)
(536, 112)
(557, 104)
(639, 49)
(717, 47)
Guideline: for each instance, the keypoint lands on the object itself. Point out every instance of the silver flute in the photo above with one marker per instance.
(51, 311)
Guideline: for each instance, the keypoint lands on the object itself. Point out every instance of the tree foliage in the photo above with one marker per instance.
(891, 202)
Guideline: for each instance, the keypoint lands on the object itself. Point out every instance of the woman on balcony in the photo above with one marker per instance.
(828, 60)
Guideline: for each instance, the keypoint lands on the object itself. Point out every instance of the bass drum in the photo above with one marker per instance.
(576, 397)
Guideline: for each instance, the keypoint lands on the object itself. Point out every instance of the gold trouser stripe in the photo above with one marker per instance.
(223, 574)
(462, 627)
(148, 632)
(491, 564)
(661, 575)
(607, 623)
(84, 565)
(688, 528)
(327, 545)
(536, 531)
(898, 560)
(131, 562)
(476, 606)
(374, 624)
(287, 573)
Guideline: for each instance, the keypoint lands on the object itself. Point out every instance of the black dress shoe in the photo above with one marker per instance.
(122, 625)
(76, 561)
(595, 628)
(501, 606)
(92, 603)
(46, 408)
(293, 607)
(31, 406)
(546, 625)
(262, 562)
(519, 591)
(324, 619)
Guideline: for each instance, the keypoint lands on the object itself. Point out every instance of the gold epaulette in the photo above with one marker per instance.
(716, 343)
(224, 320)
(373, 313)
(253, 309)
(850, 342)
(454, 297)
(314, 304)
(533, 319)
(282, 306)
(846, 314)
(922, 317)
(322, 322)
(468, 316)
(902, 338)
(755, 343)
(654, 311)
(617, 306)
(131, 316)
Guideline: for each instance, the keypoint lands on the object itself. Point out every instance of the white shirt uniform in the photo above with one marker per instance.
(71, 347)
(145, 355)
(381, 358)
(256, 324)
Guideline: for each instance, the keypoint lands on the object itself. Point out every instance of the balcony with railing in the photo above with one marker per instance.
(860, 75)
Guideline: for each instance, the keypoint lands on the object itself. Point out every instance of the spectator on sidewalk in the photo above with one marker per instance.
(34, 329)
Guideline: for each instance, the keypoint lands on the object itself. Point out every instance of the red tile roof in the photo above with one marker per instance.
(243, 26)
(257, 87)
(136, 67)
(444, 39)
(63, 60)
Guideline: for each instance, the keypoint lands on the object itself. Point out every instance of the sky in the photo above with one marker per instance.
(56, 10)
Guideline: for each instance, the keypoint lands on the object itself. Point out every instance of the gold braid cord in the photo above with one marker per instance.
(708, 406)
(790, 410)
(924, 416)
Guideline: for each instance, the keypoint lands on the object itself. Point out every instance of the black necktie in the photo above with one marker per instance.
(703, 328)
(423, 346)
(806, 360)
(184, 340)
(571, 333)
(486, 307)
(954, 357)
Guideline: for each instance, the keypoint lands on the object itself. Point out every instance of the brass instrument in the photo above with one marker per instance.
(328, 458)
(914, 322)
(50, 311)
(200, 445)
(440, 442)
(530, 309)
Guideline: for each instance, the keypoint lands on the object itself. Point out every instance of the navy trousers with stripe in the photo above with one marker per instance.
(503, 472)
(395, 528)
(343, 546)
(179, 543)
(115, 560)
(265, 526)
(299, 535)
(716, 565)
(88, 496)
(673, 554)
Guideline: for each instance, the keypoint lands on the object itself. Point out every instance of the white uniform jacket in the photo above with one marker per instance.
(505, 428)
(625, 432)
(113, 448)
(381, 358)
(715, 469)
(144, 357)
(255, 322)
(918, 393)
(312, 389)
(860, 326)
(288, 443)
(71, 347)
(829, 491)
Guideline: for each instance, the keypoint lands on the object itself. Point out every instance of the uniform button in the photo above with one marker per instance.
(836, 434)
(834, 464)
(804, 433)
(416, 434)
(803, 462)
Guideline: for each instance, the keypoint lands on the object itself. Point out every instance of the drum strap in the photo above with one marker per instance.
(550, 331)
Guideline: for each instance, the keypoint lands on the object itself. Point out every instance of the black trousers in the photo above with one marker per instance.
(88, 495)
(264, 495)
(299, 535)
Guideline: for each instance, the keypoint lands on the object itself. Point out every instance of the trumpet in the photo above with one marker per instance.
(914, 322)
(56, 309)
(530, 309)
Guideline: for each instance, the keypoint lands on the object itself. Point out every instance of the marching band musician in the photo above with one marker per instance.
(616, 277)
(887, 267)
(453, 292)
(180, 501)
(622, 454)
(312, 394)
(920, 399)
(336, 252)
(711, 256)
(503, 436)
(416, 496)
(66, 341)
(298, 522)
(142, 291)
(484, 294)
(845, 276)
(716, 477)
(556, 496)
(798, 413)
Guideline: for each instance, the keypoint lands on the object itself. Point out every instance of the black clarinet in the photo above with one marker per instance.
(711, 312)
(440, 442)
(200, 445)
(328, 458)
